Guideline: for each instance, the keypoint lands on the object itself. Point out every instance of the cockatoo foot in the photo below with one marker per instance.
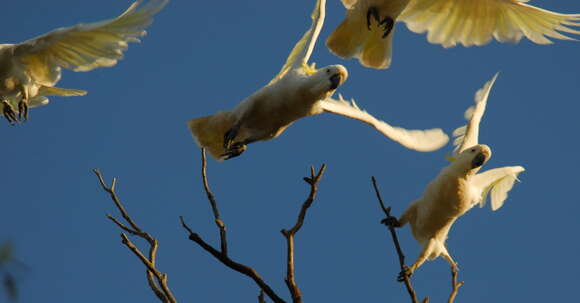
(387, 22)
(23, 110)
(230, 135)
(234, 150)
(406, 272)
(8, 113)
(391, 222)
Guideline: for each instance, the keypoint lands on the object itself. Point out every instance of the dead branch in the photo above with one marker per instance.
(390, 221)
(222, 255)
(454, 285)
(261, 297)
(156, 280)
(289, 234)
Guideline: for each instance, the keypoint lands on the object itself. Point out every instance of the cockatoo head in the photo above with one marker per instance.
(327, 79)
(473, 158)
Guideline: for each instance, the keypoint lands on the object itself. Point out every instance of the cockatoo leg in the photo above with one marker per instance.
(454, 266)
(23, 104)
(425, 253)
(8, 113)
(387, 22)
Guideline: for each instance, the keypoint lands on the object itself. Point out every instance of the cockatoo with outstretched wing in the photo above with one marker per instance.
(457, 188)
(367, 31)
(29, 70)
(299, 90)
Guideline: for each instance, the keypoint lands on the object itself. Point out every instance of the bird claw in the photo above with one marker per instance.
(387, 23)
(391, 221)
(229, 136)
(9, 113)
(22, 110)
(405, 273)
(234, 150)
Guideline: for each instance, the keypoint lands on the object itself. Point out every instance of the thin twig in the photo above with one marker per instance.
(289, 234)
(222, 255)
(389, 222)
(454, 285)
(157, 281)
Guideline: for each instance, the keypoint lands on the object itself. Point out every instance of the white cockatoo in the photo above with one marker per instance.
(367, 31)
(29, 70)
(458, 188)
(299, 90)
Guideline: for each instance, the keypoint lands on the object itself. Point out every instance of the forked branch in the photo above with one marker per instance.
(289, 234)
(389, 223)
(156, 279)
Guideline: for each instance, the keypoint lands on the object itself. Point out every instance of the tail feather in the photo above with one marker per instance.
(353, 39)
(209, 131)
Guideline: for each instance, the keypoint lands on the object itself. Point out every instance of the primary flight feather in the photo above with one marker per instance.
(299, 90)
(29, 70)
(367, 31)
(458, 188)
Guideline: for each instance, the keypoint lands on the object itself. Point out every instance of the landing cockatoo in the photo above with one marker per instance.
(29, 70)
(458, 188)
(367, 31)
(299, 90)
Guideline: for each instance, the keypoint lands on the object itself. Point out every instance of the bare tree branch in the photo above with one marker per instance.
(261, 298)
(454, 285)
(390, 221)
(156, 280)
(289, 234)
(222, 255)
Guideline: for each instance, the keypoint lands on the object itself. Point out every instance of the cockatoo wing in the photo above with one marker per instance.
(85, 46)
(467, 136)
(468, 22)
(301, 52)
(419, 140)
(498, 182)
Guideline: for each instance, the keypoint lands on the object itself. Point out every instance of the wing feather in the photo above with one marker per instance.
(302, 51)
(468, 135)
(419, 140)
(86, 46)
(496, 183)
(469, 22)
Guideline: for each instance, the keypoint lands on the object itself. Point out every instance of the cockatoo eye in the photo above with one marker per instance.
(328, 70)
(472, 150)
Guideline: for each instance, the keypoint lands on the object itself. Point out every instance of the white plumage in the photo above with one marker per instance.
(458, 187)
(299, 90)
(446, 22)
(29, 70)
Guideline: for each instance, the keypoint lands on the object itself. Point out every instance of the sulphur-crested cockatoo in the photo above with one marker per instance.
(299, 90)
(457, 188)
(367, 31)
(29, 70)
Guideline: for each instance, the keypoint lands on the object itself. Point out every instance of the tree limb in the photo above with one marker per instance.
(454, 285)
(389, 222)
(157, 281)
(222, 255)
(289, 234)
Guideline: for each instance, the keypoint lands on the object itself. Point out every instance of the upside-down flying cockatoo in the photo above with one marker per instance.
(299, 90)
(29, 70)
(458, 188)
(367, 31)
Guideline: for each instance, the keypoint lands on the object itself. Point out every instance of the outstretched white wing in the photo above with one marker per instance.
(303, 49)
(475, 22)
(419, 140)
(467, 136)
(85, 46)
(498, 182)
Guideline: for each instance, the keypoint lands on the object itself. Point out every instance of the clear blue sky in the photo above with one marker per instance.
(205, 56)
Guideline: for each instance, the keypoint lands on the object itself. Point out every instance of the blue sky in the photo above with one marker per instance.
(205, 56)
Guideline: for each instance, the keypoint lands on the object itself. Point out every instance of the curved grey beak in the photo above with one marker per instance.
(334, 81)
(478, 160)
